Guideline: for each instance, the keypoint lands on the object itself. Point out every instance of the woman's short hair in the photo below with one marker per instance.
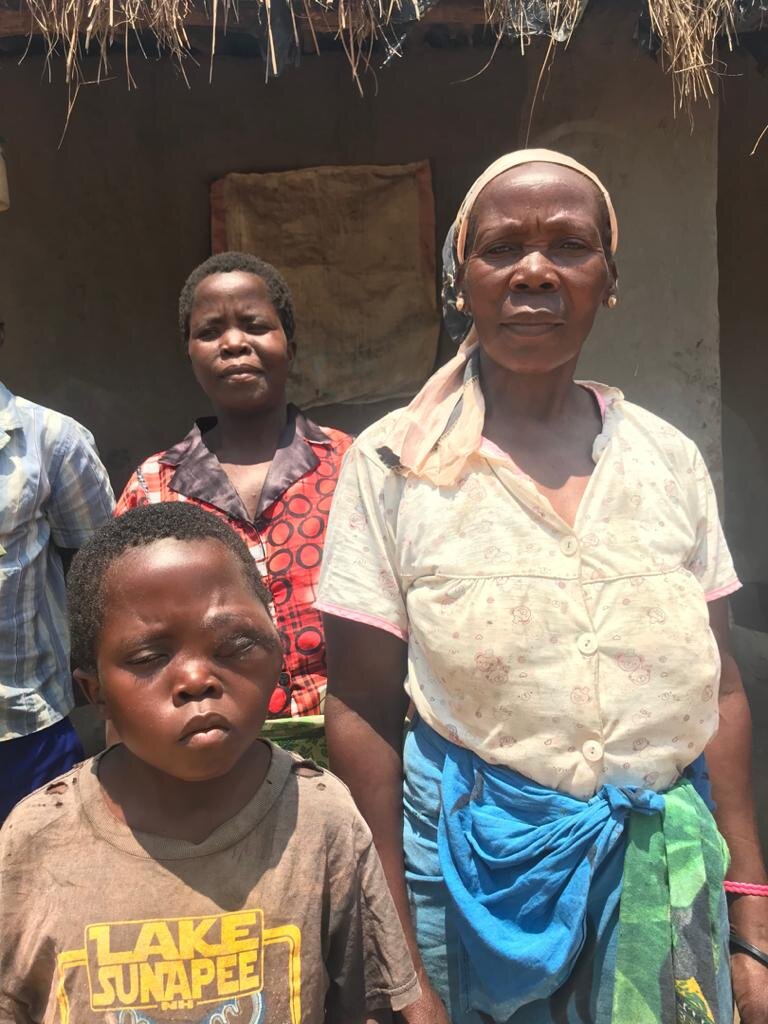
(227, 262)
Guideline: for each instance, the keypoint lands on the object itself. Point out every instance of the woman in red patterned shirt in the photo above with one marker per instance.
(258, 462)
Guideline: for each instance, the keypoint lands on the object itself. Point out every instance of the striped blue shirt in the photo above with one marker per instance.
(54, 493)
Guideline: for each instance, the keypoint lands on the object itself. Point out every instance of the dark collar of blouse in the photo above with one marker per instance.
(199, 473)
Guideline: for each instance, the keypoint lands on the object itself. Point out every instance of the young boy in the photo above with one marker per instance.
(193, 873)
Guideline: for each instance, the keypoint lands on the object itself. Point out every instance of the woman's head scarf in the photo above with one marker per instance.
(443, 425)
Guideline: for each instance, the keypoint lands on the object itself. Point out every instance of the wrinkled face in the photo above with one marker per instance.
(187, 657)
(536, 271)
(237, 345)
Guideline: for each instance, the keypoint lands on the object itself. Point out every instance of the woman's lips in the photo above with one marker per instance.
(238, 374)
(532, 328)
(531, 321)
(241, 378)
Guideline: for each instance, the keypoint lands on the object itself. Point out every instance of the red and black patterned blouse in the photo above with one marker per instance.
(286, 538)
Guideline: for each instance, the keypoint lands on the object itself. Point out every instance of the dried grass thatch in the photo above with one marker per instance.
(687, 30)
(522, 19)
(72, 27)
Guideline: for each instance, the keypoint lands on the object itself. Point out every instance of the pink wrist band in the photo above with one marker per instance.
(746, 888)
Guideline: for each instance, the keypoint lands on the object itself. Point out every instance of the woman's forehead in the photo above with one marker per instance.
(233, 285)
(538, 184)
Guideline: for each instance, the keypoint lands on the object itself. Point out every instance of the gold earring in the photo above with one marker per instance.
(460, 303)
(612, 301)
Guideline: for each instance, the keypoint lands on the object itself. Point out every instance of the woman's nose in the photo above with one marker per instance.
(195, 682)
(534, 272)
(234, 342)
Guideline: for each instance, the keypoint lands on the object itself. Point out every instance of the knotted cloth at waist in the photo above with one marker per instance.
(518, 860)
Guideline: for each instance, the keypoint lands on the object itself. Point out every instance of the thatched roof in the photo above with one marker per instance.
(684, 34)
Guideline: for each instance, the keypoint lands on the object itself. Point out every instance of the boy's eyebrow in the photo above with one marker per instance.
(136, 639)
(214, 621)
(242, 622)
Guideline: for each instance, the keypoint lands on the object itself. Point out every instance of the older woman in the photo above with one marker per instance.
(542, 562)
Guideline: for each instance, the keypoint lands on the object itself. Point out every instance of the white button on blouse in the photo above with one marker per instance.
(569, 545)
(587, 643)
(592, 750)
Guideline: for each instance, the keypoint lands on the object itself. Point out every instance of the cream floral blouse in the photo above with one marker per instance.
(574, 656)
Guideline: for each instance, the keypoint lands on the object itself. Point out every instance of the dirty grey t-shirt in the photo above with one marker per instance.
(280, 912)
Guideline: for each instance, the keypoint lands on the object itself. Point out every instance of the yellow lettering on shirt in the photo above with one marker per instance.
(177, 983)
(249, 967)
(175, 963)
(155, 940)
(178, 963)
(151, 985)
(202, 973)
(226, 969)
(192, 935)
(106, 995)
(100, 935)
(241, 931)
(127, 985)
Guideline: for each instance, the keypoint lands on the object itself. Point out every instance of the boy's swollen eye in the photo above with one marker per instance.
(240, 644)
(146, 658)
(236, 645)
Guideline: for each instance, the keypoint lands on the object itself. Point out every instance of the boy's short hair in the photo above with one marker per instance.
(226, 262)
(178, 520)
